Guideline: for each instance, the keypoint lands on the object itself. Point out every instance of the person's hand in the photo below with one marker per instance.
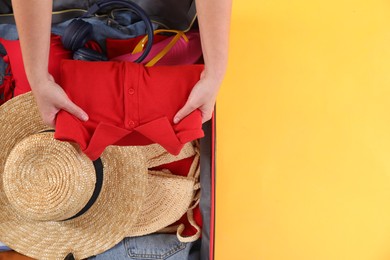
(202, 97)
(51, 98)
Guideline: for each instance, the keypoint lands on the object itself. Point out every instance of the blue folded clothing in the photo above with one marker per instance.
(4, 247)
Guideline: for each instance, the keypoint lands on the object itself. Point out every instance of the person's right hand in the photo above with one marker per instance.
(51, 98)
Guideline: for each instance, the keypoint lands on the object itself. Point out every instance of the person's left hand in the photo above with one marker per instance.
(202, 97)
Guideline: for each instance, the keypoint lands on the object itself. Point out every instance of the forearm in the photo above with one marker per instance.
(33, 20)
(214, 25)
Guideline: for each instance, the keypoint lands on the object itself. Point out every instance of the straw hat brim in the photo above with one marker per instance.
(132, 201)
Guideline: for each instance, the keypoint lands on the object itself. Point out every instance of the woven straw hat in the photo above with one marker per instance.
(46, 184)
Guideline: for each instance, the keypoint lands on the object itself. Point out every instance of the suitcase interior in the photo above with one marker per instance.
(207, 161)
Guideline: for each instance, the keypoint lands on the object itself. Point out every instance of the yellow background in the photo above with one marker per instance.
(303, 132)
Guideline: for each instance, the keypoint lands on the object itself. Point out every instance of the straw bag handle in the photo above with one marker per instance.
(139, 47)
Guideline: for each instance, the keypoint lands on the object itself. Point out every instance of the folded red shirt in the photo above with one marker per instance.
(128, 104)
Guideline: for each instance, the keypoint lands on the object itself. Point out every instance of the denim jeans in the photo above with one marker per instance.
(3, 247)
(151, 247)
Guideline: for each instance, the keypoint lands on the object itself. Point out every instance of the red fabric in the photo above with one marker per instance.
(57, 53)
(189, 230)
(93, 45)
(128, 104)
(117, 47)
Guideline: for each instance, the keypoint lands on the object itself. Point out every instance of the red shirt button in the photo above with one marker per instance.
(131, 123)
(131, 91)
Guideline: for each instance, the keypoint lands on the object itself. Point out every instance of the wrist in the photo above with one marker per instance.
(39, 81)
(215, 74)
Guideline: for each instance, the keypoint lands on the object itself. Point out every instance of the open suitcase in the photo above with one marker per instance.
(179, 15)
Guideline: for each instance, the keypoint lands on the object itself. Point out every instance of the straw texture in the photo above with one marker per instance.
(47, 180)
(43, 182)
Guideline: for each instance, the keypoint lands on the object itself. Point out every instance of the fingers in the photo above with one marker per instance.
(206, 110)
(50, 117)
(184, 111)
(206, 116)
(51, 98)
(75, 110)
(48, 114)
